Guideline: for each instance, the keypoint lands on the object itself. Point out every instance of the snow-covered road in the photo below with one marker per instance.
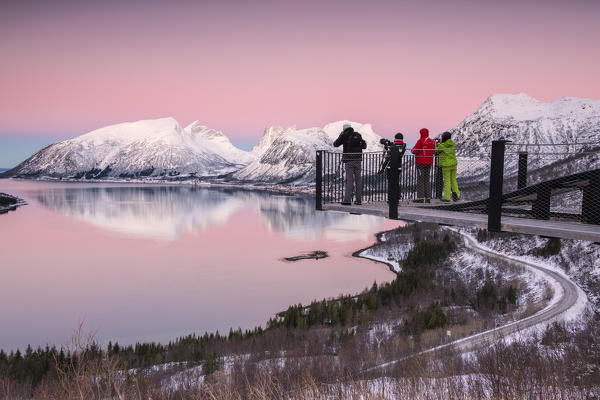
(567, 297)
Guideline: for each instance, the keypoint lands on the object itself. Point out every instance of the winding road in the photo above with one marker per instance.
(567, 299)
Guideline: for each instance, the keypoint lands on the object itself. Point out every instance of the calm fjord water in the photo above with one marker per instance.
(151, 263)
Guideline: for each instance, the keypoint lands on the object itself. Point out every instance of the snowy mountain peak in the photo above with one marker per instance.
(509, 97)
(523, 119)
(290, 157)
(158, 147)
(195, 127)
(128, 132)
(333, 130)
(521, 107)
(217, 142)
(197, 130)
(270, 134)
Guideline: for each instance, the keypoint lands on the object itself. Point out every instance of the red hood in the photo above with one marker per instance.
(424, 135)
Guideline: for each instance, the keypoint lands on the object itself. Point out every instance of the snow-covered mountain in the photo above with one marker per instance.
(158, 147)
(162, 148)
(290, 156)
(523, 119)
(557, 136)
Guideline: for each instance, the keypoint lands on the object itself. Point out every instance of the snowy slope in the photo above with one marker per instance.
(523, 119)
(270, 134)
(290, 157)
(143, 148)
(218, 143)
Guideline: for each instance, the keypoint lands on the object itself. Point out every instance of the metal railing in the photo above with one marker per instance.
(536, 181)
(553, 182)
(375, 168)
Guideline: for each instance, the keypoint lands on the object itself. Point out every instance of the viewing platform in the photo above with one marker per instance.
(410, 212)
(527, 189)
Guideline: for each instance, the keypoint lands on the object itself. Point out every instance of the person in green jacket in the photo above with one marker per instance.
(447, 161)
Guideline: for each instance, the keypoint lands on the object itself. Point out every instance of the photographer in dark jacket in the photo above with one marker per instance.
(399, 142)
(353, 145)
(385, 165)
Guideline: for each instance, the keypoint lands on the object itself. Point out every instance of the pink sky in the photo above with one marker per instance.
(70, 66)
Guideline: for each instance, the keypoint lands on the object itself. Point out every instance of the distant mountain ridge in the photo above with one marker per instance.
(290, 155)
(147, 148)
(162, 149)
(523, 119)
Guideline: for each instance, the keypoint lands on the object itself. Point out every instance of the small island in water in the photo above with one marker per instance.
(317, 254)
(9, 203)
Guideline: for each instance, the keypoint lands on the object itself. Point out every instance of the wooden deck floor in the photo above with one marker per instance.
(560, 229)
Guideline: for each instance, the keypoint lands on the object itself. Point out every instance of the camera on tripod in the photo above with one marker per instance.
(387, 155)
(386, 143)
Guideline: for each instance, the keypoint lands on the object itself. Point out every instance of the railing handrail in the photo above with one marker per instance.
(553, 144)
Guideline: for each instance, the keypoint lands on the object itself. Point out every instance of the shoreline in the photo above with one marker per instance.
(378, 236)
(8, 202)
(266, 187)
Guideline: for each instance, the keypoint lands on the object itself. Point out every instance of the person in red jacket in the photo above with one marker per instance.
(424, 151)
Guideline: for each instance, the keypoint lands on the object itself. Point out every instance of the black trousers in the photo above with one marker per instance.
(423, 181)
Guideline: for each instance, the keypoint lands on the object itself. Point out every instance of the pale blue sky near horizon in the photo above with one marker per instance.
(14, 150)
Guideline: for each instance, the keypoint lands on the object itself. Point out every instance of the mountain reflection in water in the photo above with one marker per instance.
(166, 212)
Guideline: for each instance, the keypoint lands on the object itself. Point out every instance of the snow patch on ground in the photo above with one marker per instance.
(390, 249)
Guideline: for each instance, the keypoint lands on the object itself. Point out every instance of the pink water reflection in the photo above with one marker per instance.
(59, 264)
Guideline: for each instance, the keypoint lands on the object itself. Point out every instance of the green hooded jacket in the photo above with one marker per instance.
(446, 153)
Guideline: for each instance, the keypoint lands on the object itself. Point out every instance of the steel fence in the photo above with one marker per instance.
(538, 181)
(552, 181)
(375, 170)
(374, 182)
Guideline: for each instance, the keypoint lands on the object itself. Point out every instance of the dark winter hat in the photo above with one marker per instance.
(424, 131)
(446, 135)
(399, 136)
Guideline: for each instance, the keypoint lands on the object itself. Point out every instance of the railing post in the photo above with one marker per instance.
(319, 181)
(522, 176)
(590, 207)
(439, 177)
(541, 206)
(394, 182)
(400, 160)
(496, 180)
